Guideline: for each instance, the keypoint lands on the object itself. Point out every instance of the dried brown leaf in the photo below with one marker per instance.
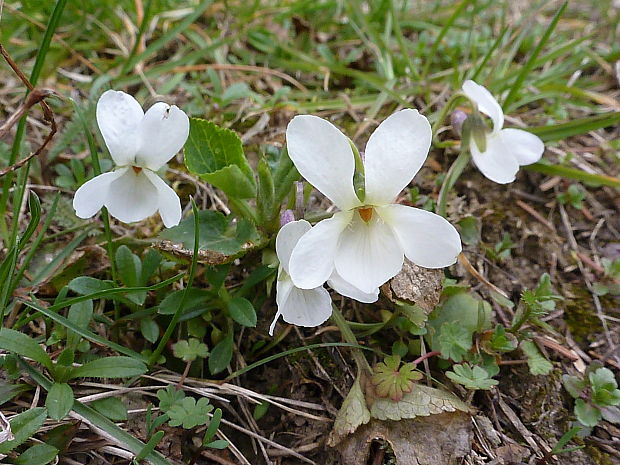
(415, 285)
(422, 401)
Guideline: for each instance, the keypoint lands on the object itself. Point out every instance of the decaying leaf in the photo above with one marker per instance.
(221, 238)
(436, 440)
(416, 285)
(210, 257)
(434, 427)
(422, 401)
(352, 414)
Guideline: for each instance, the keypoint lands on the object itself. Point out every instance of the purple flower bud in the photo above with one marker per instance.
(286, 217)
(457, 118)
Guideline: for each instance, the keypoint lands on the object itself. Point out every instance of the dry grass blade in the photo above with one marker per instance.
(35, 96)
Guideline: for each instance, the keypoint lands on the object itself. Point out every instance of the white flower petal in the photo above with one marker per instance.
(394, 153)
(323, 155)
(498, 163)
(162, 133)
(526, 147)
(303, 307)
(368, 253)
(287, 239)
(91, 195)
(312, 260)
(429, 240)
(118, 117)
(347, 289)
(169, 203)
(284, 285)
(132, 197)
(486, 103)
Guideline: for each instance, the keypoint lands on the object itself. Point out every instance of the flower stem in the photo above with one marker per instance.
(179, 311)
(452, 176)
(242, 208)
(443, 113)
(421, 358)
(348, 336)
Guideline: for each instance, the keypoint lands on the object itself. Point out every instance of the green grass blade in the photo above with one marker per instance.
(444, 30)
(109, 292)
(145, 21)
(575, 127)
(572, 173)
(156, 45)
(529, 64)
(35, 244)
(179, 311)
(84, 332)
(289, 352)
(58, 259)
(21, 127)
(95, 418)
(489, 54)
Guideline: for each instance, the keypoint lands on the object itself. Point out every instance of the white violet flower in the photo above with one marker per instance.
(305, 307)
(366, 242)
(302, 307)
(506, 149)
(140, 144)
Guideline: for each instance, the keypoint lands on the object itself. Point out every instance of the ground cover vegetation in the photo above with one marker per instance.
(380, 232)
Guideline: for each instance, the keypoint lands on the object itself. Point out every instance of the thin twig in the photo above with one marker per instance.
(34, 96)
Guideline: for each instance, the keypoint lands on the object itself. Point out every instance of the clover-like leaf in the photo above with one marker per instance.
(190, 350)
(390, 379)
(190, 413)
(605, 390)
(471, 377)
(501, 341)
(454, 341)
(169, 397)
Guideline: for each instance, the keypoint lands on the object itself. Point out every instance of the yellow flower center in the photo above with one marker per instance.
(365, 213)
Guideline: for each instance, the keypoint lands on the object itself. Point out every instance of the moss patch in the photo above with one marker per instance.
(580, 315)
